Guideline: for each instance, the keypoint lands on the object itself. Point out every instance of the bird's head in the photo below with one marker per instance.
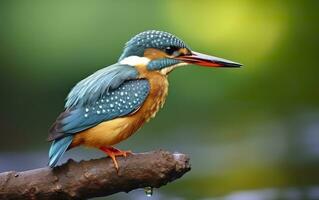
(162, 51)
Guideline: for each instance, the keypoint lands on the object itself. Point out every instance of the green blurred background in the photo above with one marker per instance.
(252, 133)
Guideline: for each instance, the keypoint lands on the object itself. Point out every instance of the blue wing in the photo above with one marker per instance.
(125, 99)
(109, 93)
(91, 102)
(93, 87)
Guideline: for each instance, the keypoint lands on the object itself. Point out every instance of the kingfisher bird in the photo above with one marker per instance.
(110, 105)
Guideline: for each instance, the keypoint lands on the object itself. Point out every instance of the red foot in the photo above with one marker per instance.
(113, 152)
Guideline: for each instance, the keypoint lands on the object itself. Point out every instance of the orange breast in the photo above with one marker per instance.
(114, 131)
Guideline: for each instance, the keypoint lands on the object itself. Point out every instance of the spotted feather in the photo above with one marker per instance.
(127, 98)
(93, 87)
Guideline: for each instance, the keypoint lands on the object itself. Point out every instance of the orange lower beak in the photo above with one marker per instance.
(207, 60)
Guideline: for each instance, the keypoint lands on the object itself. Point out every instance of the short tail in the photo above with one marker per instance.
(58, 147)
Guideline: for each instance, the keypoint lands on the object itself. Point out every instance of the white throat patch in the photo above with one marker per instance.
(135, 60)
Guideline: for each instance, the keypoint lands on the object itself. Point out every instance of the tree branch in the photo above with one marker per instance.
(94, 178)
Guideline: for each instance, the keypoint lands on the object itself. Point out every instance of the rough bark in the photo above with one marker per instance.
(94, 178)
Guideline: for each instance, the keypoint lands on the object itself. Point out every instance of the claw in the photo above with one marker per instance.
(113, 152)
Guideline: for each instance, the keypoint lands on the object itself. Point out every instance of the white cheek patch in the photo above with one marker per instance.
(135, 60)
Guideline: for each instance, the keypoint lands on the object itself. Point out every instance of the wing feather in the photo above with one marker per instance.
(92, 87)
(102, 96)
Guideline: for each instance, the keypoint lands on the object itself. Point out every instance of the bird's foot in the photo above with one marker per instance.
(113, 152)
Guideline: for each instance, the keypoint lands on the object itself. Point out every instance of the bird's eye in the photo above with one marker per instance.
(170, 50)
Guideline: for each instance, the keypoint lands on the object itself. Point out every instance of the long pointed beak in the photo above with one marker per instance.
(207, 60)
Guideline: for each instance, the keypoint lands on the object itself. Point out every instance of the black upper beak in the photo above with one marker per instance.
(207, 60)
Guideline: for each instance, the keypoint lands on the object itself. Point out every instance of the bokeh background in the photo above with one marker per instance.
(252, 133)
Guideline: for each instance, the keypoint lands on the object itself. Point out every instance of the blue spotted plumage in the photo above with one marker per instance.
(111, 104)
(150, 39)
(107, 94)
(93, 87)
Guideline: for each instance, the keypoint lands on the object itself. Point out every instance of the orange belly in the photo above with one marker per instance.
(114, 131)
